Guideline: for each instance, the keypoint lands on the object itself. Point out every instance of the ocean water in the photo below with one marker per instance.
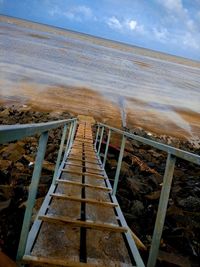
(157, 92)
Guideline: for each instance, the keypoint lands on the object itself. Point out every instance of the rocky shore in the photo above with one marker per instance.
(16, 167)
(138, 191)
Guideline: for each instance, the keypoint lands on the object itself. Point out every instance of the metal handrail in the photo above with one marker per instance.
(172, 154)
(10, 133)
(169, 149)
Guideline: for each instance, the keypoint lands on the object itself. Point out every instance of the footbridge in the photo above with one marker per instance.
(80, 222)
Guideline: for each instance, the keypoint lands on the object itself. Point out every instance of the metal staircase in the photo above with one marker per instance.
(80, 222)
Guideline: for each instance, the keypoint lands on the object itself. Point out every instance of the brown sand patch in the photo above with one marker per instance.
(59, 98)
(142, 64)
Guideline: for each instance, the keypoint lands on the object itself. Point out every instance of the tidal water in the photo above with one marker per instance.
(137, 87)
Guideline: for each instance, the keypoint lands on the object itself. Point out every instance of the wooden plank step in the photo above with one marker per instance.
(78, 165)
(83, 160)
(86, 224)
(58, 262)
(84, 185)
(83, 141)
(94, 175)
(95, 158)
(90, 148)
(90, 154)
(78, 144)
(86, 200)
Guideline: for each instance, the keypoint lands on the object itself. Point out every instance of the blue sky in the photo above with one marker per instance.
(170, 26)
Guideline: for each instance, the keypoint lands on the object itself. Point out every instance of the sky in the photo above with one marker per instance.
(170, 26)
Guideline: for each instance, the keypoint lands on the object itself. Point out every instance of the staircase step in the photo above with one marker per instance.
(84, 185)
(50, 261)
(86, 200)
(83, 160)
(94, 158)
(78, 165)
(86, 224)
(94, 175)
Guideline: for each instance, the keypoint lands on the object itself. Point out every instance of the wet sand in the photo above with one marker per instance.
(56, 70)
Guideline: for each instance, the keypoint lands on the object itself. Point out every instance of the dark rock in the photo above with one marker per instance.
(153, 196)
(173, 260)
(125, 170)
(5, 164)
(137, 208)
(191, 203)
(12, 152)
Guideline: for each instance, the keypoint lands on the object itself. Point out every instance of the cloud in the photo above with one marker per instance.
(125, 25)
(174, 6)
(189, 41)
(114, 23)
(132, 24)
(76, 13)
(79, 13)
(161, 34)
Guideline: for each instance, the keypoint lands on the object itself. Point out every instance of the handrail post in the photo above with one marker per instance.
(32, 194)
(60, 153)
(97, 135)
(69, 136)
(121, 153)
(106, 150)
(100, 141)
(73, 133)
(162, 208)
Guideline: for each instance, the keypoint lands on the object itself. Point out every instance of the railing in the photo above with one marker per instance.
(172, 153)
(9, 133)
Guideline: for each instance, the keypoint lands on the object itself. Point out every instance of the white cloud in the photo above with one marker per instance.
(174, 6)
(189, 41)
(124, 25)
(161, 34)
(77, 13)
(131, 24)
(114, 23)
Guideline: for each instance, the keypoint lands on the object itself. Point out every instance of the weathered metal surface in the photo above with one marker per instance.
(32, 194)
(100, 141)
(10, 133)
(121, 153)
(169, 149)
(107, 145)
(162, 209)
(60, 152)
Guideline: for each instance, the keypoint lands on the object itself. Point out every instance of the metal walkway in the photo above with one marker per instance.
(80, 224)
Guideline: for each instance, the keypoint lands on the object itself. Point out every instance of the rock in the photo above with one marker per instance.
(190, 203)
(112, 163)
(133, 184)
(48, 166)
(19, 166)
(28, 159)
(143, 167)
(5, 164)
(137, 208)
(125, 170)
(153, 196)
(13, 152)
(155, 154)
(171, 259)
(5, 261)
